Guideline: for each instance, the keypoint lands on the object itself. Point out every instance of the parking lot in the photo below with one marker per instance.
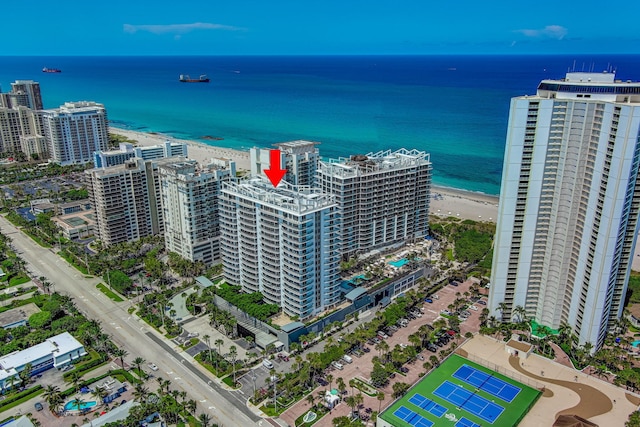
(362, 364)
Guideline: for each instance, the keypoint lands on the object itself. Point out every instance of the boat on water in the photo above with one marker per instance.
(51, 70)
(186, 79)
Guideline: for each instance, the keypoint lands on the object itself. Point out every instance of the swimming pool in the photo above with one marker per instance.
(635, 343)
(399, 263)
(72, 406)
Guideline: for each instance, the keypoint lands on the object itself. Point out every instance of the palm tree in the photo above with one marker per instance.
(351, 401)
(359, 399)
(341, 385)
(310, 399)
(140, 393)
(502, 308)
(206, 339)
(204, 419)
(380, 396)
(121, 353)
(352, 384)
(233, 353)
(521, 313)
(330, 380)
(191, 406)
(139, 361)
(218, 343)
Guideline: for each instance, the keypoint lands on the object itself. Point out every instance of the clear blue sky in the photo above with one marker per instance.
(210, 27)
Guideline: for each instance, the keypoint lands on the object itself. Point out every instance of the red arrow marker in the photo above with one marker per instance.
(275, 174)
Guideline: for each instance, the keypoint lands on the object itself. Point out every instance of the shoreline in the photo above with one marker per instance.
(445, 201)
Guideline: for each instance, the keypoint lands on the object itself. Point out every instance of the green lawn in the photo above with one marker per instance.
(511, 416)
(112, 295)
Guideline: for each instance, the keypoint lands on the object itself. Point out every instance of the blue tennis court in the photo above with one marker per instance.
(428, 405)
(463, 422)
(408, 416)
(488, 383)
(470, 402)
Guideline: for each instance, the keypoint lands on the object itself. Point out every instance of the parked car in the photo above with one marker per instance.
(429, 300)
(192, 334)
(404, 369)
(451, 332)
(432, 348)
(366, 349)
(453, 283)
(473, 307)
(283, 357)
(420, 357)
(482, 302)
(323, 382)
(152, 366)
(337, 365)
(347, 359)
(382, 335)
(38, 406)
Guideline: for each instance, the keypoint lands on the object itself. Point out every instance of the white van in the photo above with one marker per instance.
(267, 364)
(347, 358)
(337, 365)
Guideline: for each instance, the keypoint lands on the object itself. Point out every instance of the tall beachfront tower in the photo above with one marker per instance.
(127, 199)
(26, 93)
(190, 207)
(75, 131)
(300, 158)
(569, 204)
(282, 242)
(383, 197)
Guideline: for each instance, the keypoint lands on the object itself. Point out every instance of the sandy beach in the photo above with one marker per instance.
(444, 201)
(200, 152)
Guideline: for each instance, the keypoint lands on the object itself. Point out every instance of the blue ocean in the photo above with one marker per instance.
(454, 107)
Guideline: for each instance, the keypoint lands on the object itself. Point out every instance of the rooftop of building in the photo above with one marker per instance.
(76, 219)
(57, 345)
(292, 198)
(386, 160)
(15, 315)
(599, 86)
(76, 107)
(298, 146)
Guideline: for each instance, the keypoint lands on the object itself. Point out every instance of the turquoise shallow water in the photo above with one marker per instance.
(455, 107)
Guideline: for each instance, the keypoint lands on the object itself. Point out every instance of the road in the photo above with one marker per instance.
(131, 333)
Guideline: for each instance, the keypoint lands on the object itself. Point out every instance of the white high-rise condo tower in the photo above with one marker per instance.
(75, 131)
(568, 215)
(282, 242)
(383, 198)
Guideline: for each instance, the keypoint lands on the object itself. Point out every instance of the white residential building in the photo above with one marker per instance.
(127, 200)
(190, 207)
(282, 242)
(54, 352)
(300, 158)
(21, 130)
(127, 151)
(75, 131)
(569, 202)
(383, 197)
(24, 93)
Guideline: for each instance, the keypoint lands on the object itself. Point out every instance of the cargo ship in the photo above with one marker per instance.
(51, 70)
(186, 79)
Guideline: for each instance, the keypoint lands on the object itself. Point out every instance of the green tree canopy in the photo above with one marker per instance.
(40, 320)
